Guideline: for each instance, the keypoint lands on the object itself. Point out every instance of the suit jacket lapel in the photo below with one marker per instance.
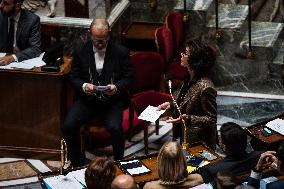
(107, 61)
(91, 60)
(21, 24)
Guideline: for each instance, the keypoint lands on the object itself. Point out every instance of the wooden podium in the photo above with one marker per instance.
(32, 111)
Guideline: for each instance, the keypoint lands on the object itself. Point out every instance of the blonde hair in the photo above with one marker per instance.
(172, 164)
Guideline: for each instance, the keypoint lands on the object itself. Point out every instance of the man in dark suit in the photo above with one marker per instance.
(20, 32)
(99, 62)
(237, 160)
(269, 160)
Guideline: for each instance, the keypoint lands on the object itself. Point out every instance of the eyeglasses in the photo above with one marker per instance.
(186, 54)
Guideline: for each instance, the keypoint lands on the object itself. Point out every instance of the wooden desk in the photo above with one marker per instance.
(32, 112)
(150, 161)
(261, 142)
(140, 36)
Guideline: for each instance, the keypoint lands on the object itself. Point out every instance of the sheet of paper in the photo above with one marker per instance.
(63, 182)
(151, 114)
(276, 125)
(79, 175)
(2, 54)
(202, 186)
(26, 64)
(136, 170)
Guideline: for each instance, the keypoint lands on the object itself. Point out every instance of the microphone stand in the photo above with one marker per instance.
(185, 145)
(64, 160)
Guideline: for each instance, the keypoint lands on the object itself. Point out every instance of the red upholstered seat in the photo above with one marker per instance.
(141, 101)
(148, 71)
(148, 75)
(164, 43)
(174, 21)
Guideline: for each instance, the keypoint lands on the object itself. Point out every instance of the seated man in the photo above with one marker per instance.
(105, 63)
(237, 160)
(123, 182)
(20, 32)
(269, 160)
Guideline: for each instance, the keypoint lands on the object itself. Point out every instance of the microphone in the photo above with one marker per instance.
(184, 142)
(170, 86)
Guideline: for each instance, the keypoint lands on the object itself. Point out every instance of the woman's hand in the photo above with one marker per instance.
(177, 120)
(164, 106)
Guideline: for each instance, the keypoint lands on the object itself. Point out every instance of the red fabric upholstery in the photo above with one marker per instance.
(144, 99)
(148, 68)
(164, 41)
(148, 71)
(174, 21)
(176, 71)
(165, 46)
(98, 136)
(153, 98)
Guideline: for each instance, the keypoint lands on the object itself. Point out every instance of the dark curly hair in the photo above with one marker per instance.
(201, 57)
(100, 173)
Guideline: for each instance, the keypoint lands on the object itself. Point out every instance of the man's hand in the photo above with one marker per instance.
(266, 161)
(111, 90)
(89, 89)
(6, 60)
(177, 120)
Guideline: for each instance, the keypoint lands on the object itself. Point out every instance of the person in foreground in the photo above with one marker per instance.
(197, 96)
(100, 173)
(237, 160)
(269, 161)
(172, 169)
(99, 62)
(124, 182)
(20, 32)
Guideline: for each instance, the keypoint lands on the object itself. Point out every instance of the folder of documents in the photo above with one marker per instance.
(276, 125)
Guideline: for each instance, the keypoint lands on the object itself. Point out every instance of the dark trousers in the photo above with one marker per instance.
(81, 112)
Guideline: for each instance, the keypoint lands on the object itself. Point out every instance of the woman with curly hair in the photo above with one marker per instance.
(197, 96)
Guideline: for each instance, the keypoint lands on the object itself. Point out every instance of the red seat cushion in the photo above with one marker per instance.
(99, 136)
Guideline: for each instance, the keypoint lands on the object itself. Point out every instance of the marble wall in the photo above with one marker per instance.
(233, 71)
(141, 10)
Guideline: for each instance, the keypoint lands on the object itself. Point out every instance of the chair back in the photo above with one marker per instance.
(164, 42)
(174, 21)
(153, 98)
(147, 70)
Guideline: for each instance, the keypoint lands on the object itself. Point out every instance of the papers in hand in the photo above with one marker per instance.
(26, 64)
(134, 167)
(100, 88)
(276, 125)
(151, 114)
(2, 54)
(203, 186)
